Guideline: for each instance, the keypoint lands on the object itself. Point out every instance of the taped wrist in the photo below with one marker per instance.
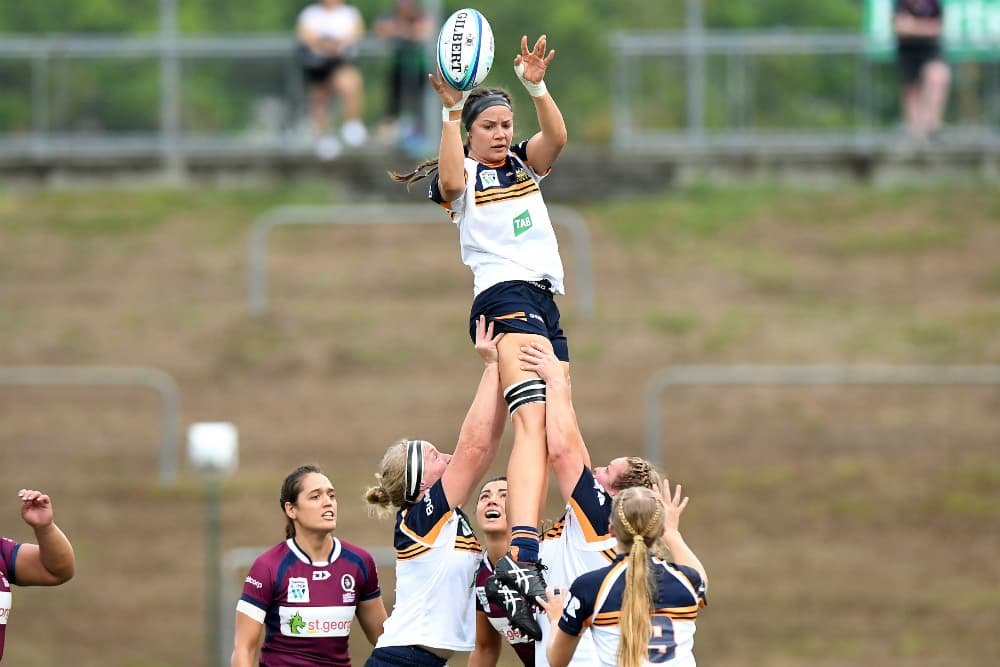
(534, 89)
(457, 106)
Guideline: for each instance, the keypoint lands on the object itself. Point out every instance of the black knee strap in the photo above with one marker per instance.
(522, 393)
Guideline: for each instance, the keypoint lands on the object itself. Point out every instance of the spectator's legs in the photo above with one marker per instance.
(319, 108)
(348, 85)
(936, 78)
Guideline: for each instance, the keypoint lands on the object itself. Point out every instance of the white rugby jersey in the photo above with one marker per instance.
(437, 557)
(333, 22)
(578, 543)
(503, 224)
(595, 601)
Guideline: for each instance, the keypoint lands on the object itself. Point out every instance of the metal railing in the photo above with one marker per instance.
(697, 90)
(762, 375)
(114, 376)
(69, 106)
(797, 92)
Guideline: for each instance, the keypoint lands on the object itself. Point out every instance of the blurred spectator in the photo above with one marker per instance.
(409, 28)
(328, 35)
(924, 74)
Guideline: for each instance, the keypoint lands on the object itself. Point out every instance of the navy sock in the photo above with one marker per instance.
(524, 543)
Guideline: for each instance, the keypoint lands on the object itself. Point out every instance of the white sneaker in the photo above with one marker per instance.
(354, 133)
(328, 148)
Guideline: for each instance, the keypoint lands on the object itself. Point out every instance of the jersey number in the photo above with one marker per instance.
(661, 642)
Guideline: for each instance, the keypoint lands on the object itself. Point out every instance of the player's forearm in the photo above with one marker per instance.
(561, 430)
(682, 553)
(550, 121)
(480, 426)
(55, 552)
(451, 155)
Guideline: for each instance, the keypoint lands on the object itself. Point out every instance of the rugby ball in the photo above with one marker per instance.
(465, 49)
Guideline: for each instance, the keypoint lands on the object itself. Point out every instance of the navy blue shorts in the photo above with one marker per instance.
(520, 306)
(404, 656)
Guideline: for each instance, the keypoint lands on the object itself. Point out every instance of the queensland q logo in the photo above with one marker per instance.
(347, 583)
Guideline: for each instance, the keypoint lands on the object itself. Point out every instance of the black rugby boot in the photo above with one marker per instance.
(518, 610)
(523, 576)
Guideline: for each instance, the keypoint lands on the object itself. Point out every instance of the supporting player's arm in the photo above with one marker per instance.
(482, 430)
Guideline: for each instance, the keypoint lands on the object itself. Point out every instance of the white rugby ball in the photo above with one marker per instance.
(465, 49)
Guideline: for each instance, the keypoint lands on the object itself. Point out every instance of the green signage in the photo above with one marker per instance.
(971, 29)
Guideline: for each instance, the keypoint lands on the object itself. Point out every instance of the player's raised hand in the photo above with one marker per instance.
(449, 96)
(531, 65)
(36, 508)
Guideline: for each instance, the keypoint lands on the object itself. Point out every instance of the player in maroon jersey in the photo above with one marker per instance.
(492, 625)
(304, 593)
(49, 562)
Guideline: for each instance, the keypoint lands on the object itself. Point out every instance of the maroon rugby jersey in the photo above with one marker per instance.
(308, 607)
(8, 554)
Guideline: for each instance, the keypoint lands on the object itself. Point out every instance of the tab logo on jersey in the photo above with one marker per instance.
(489, 178)
(5, 600)
(522, 223)
(298, 589)
(315, 621)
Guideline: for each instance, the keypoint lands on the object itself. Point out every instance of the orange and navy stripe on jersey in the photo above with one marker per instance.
(595, 602)
(419, 526)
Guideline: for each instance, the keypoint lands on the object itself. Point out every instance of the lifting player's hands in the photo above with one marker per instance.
(449, 96)
(542, 360)
(36, 508)
(553, 606)
(486, 342)
(531, 65)
(673, 506)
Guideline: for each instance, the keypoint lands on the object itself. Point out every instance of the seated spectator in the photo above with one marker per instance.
(409, 28)
(328, 35)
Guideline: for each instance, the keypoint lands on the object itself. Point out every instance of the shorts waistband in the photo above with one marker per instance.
(542, 284)
(408, 656)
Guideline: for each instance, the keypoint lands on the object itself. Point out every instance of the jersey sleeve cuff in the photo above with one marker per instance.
(251, 610)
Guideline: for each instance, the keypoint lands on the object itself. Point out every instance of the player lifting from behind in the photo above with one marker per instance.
(491, 190)
(640, 609)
